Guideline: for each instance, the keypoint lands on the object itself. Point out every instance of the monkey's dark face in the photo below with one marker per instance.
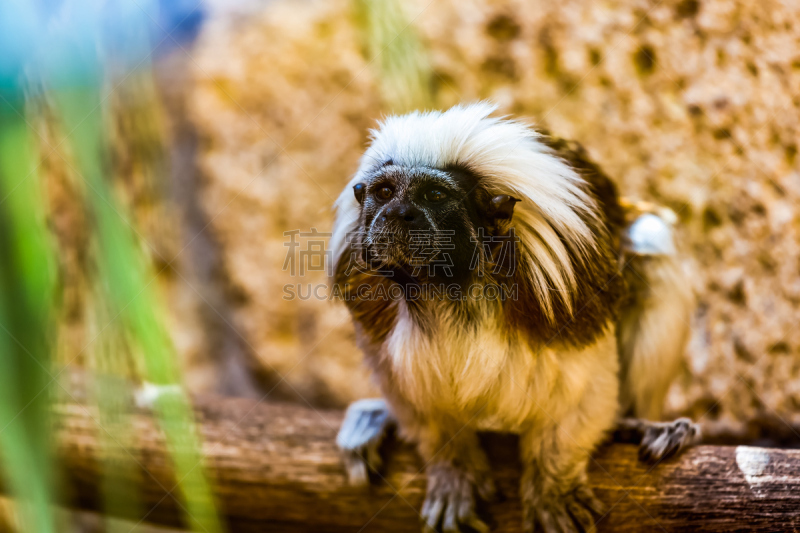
(426, 222)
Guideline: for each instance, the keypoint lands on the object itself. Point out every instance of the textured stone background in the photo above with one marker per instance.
(693, 104)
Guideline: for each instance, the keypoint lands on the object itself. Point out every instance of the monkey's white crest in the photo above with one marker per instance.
(509, 158)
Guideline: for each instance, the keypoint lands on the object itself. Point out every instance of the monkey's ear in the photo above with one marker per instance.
(358, 190)
(502, 206)
(497, 212)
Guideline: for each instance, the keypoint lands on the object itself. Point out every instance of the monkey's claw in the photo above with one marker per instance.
(571, 513)
(363, 429)
(450, 500)
(665, 439)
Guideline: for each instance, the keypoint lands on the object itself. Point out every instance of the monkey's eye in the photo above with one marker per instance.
(384, 193)
(434, 195)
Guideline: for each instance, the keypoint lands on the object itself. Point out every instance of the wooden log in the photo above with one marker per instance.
(276, 468)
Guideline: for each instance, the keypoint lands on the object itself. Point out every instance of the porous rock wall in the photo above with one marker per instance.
(692, 103)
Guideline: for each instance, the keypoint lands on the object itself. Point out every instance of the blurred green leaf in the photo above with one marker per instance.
(26, 325)
(395, 53)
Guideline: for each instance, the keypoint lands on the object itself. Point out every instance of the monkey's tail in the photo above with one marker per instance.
(654, 322)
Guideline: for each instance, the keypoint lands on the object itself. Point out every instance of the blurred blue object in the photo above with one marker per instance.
(17, 41)
(180, 19)
(71, 39)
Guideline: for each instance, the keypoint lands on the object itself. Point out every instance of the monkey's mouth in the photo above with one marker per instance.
(390, 255)
(412, 252)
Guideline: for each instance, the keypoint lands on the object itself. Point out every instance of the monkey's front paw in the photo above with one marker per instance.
(450, 499)
(570, 513)
(665, 439)
(363, 429)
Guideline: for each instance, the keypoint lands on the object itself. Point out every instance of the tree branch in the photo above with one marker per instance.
(276, 468)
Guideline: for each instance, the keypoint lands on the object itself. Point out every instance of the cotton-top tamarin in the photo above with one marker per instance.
(497, 282)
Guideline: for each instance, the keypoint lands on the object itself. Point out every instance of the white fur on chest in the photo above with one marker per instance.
(489, 377)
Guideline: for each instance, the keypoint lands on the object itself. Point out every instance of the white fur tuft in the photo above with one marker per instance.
(651, 235)
(510, 159)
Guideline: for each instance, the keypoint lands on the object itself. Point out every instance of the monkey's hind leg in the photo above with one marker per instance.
(365, 425)
(658, 440)
(654, 322)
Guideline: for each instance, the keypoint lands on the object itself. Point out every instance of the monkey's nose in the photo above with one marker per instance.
(401, 212)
